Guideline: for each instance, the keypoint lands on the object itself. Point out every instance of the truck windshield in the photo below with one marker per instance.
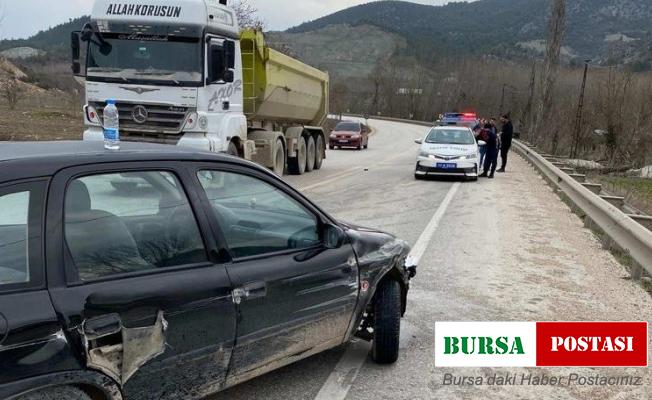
(450, 136)
(143, 59)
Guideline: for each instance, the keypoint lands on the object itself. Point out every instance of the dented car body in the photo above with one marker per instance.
(156, 272)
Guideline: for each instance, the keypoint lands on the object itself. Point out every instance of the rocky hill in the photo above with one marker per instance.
(608, 31)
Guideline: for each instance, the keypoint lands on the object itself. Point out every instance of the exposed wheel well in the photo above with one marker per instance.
(238, 145)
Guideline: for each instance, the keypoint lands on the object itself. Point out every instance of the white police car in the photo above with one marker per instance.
(448, 151)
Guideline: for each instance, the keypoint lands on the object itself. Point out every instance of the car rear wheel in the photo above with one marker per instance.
(387, 323)
(57, 393)
(319, 157)
(310, 156)
(297, 164)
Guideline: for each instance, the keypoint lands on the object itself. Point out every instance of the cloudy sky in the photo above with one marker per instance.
(23, 18)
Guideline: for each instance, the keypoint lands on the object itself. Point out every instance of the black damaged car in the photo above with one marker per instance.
(156, 272)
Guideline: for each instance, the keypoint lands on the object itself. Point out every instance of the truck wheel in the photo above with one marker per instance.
(297, 164)
(321, 147)
(57, 393)
(233, 150)
(279, 158)
(310, 155)
(387, 323)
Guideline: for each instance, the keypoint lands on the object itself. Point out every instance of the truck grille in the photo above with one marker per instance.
(161, 119)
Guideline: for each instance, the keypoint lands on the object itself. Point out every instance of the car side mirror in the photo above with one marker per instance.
(418, 141)
(334, 236)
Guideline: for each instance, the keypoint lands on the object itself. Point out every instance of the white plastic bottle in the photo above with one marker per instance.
(111, 126)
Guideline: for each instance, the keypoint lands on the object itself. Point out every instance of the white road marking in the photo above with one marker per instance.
(339, 382)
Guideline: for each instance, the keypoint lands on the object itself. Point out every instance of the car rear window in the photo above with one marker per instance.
(14, 261)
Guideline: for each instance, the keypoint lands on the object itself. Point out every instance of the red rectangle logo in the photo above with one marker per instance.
(592, 344)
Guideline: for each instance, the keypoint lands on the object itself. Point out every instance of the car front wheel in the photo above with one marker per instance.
(387, 323)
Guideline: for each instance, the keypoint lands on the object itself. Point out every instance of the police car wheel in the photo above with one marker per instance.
(387, 323)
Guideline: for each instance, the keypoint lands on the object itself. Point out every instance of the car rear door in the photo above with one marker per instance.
(142, 288)
(31, 341)
(295, 297)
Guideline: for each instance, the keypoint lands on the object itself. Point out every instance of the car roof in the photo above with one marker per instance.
(21, 160)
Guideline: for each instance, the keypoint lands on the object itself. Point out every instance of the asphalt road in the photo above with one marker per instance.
(498, 250)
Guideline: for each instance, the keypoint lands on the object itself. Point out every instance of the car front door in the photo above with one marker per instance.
(142, 287)
(295, 297)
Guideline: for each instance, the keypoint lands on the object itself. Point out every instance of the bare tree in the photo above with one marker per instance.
(248, 15)
(556, 31)
(11, 91)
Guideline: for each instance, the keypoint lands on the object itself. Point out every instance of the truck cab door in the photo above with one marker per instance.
(134, 278)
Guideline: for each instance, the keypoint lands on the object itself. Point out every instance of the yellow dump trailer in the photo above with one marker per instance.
(286, 103)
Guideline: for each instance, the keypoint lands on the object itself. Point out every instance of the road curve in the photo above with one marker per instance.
(498, 250)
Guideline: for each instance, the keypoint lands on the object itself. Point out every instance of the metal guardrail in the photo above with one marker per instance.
(628, 234)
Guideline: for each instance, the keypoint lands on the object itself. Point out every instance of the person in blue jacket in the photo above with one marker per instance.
(491, 159)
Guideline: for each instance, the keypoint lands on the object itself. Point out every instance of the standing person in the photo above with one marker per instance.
(481, 137)
(491, 158)
(506, 140)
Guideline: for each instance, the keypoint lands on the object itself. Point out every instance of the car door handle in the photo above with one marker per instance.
(249, 291)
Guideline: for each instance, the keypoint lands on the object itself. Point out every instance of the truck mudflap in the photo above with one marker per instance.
(118, 351)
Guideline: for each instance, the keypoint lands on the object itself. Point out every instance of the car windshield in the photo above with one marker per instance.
(450, 136)
(347, 127)
(175, 61)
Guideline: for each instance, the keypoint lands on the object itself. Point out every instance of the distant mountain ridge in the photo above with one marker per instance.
(606, 30)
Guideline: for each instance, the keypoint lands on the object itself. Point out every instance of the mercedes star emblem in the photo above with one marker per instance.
(139, 114)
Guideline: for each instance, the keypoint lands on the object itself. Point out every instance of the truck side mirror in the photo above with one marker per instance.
(229, 53)
(75, 47)
(216, 65)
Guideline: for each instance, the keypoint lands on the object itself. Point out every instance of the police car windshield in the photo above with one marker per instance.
(159, 59)
(450, 136)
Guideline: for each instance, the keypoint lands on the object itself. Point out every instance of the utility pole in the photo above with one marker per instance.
(577, 129)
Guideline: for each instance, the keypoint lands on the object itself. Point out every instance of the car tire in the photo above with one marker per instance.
(320, 148)
(232, 150)
(297, 165)
(57, 393)
(310, 154)
(279, 158)
(387, 323)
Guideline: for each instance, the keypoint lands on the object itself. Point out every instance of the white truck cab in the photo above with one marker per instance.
(175, 70)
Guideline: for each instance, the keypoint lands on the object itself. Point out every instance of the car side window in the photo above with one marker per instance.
(130, 222)
(257, 218)
(14, 238)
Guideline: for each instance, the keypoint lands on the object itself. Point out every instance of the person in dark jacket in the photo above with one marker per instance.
(506, 140)
(491, 159)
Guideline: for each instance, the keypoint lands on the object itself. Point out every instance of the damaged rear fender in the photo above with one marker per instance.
(119, 351)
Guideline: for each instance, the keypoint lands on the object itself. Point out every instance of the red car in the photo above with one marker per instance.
(350, 134)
